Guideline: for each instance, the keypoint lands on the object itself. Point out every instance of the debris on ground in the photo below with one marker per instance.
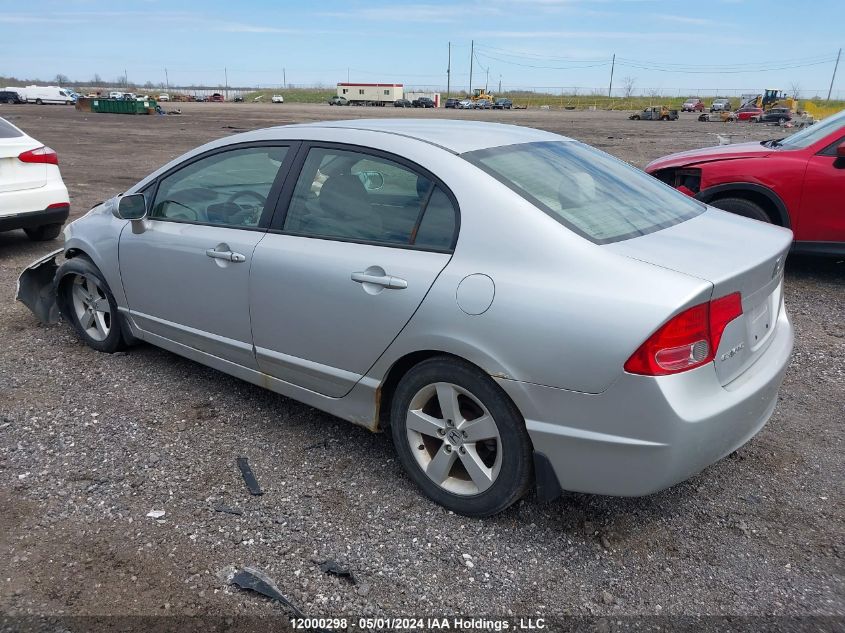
(320, 444)
(336, 569)
(227, 509)
(249, 478)
(156, 514)
(252, 579)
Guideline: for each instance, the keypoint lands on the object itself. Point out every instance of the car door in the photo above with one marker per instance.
(822, 216)
(185, 269)
(346, 264)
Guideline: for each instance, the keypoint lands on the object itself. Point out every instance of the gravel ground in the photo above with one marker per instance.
(90, 443)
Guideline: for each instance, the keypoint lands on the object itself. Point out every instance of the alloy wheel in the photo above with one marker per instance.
(454, 439)
(91, 307)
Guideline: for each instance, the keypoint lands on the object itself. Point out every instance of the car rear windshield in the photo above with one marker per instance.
(7, 130)
(599, 197)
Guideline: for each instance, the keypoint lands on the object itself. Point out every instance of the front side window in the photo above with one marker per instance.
(225, 189)
(356, 196)
(597, 196)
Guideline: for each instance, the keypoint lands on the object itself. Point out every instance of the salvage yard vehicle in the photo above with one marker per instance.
(452, 103)
(369, 268)
(775, 115)
(277, 99)
(33, 196)
(692, 105)
(465, 104)
(502, 104)
(748, 113)
(11, 97)
(402, 103)
(796, 182)
(423, 102)
(720, 104)
(724, 116)
(655, 113)
(339, 101)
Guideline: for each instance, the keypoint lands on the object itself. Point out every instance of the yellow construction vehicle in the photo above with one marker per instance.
(772, 98)
(480, 93)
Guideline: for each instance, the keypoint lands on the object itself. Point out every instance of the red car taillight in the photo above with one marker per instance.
(40, 155)
(688, 340)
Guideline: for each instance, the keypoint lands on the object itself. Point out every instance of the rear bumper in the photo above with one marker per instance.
(645, 434)
(32, 219)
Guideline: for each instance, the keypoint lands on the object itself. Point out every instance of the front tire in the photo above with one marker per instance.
(44, 232)
(87, 302)
(743, 207)
(460, 438)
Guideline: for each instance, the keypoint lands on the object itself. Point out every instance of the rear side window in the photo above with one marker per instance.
(7, 130)
(597, 196)
(355, 196)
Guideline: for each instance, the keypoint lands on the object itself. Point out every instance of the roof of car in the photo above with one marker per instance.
(452, 135)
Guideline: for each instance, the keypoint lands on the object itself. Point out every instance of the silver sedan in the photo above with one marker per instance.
(516, 308)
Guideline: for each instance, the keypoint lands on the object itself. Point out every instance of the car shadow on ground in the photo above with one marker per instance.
(816, 268)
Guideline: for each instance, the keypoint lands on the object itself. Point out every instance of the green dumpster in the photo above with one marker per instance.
(123, 106)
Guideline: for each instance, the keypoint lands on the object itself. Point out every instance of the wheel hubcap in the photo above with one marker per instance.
(91, 307)
(454, 439)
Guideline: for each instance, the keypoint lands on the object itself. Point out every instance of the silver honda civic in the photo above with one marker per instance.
(518, 309)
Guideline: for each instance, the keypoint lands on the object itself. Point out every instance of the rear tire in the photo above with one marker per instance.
(44, 232)
(471, 455)
(87, 302)
(39, 102)
(743, 207)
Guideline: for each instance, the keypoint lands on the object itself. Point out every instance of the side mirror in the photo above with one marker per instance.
(132, 207)
(840, 150)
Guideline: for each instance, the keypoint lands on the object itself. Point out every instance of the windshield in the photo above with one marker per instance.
(597, 196)
(814, 133)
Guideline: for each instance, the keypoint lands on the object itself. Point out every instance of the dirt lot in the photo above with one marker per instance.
(90, 443)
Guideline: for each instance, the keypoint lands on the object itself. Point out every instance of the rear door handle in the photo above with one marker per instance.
(386, 281)
(229, 256)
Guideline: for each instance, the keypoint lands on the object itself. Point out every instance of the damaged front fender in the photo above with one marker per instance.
(36, 290)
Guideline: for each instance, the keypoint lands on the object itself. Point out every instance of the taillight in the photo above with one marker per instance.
(40, 155)
(688, 340)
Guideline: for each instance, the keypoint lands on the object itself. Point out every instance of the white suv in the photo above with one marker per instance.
(32, 194)
(278, 99)
(720, 105)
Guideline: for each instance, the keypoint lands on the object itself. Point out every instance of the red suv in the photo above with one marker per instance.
(797, 182)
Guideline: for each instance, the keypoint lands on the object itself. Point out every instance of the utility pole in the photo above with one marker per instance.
(347, 74)
(449, 73)
(471, 55)
(500, 84)
(487, 81)
(830, 90)
(166, 80)
(284, 77)
(612, 66)
(226, 75)
(126, 77)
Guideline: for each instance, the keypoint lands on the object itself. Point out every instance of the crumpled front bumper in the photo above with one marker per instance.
(36, 289)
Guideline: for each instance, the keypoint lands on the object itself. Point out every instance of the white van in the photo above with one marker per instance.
(115, 95)
(47, 94)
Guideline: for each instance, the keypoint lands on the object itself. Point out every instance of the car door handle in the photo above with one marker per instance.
(229, 256)
(387, 281)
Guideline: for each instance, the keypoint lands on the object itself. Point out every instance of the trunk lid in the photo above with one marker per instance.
(15, 175)
(734, 254)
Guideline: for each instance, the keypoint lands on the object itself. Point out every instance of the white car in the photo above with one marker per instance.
(278, 99)
(164, 97)
(32, 194)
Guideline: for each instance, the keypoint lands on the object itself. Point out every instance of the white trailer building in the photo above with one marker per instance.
(370, 94)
